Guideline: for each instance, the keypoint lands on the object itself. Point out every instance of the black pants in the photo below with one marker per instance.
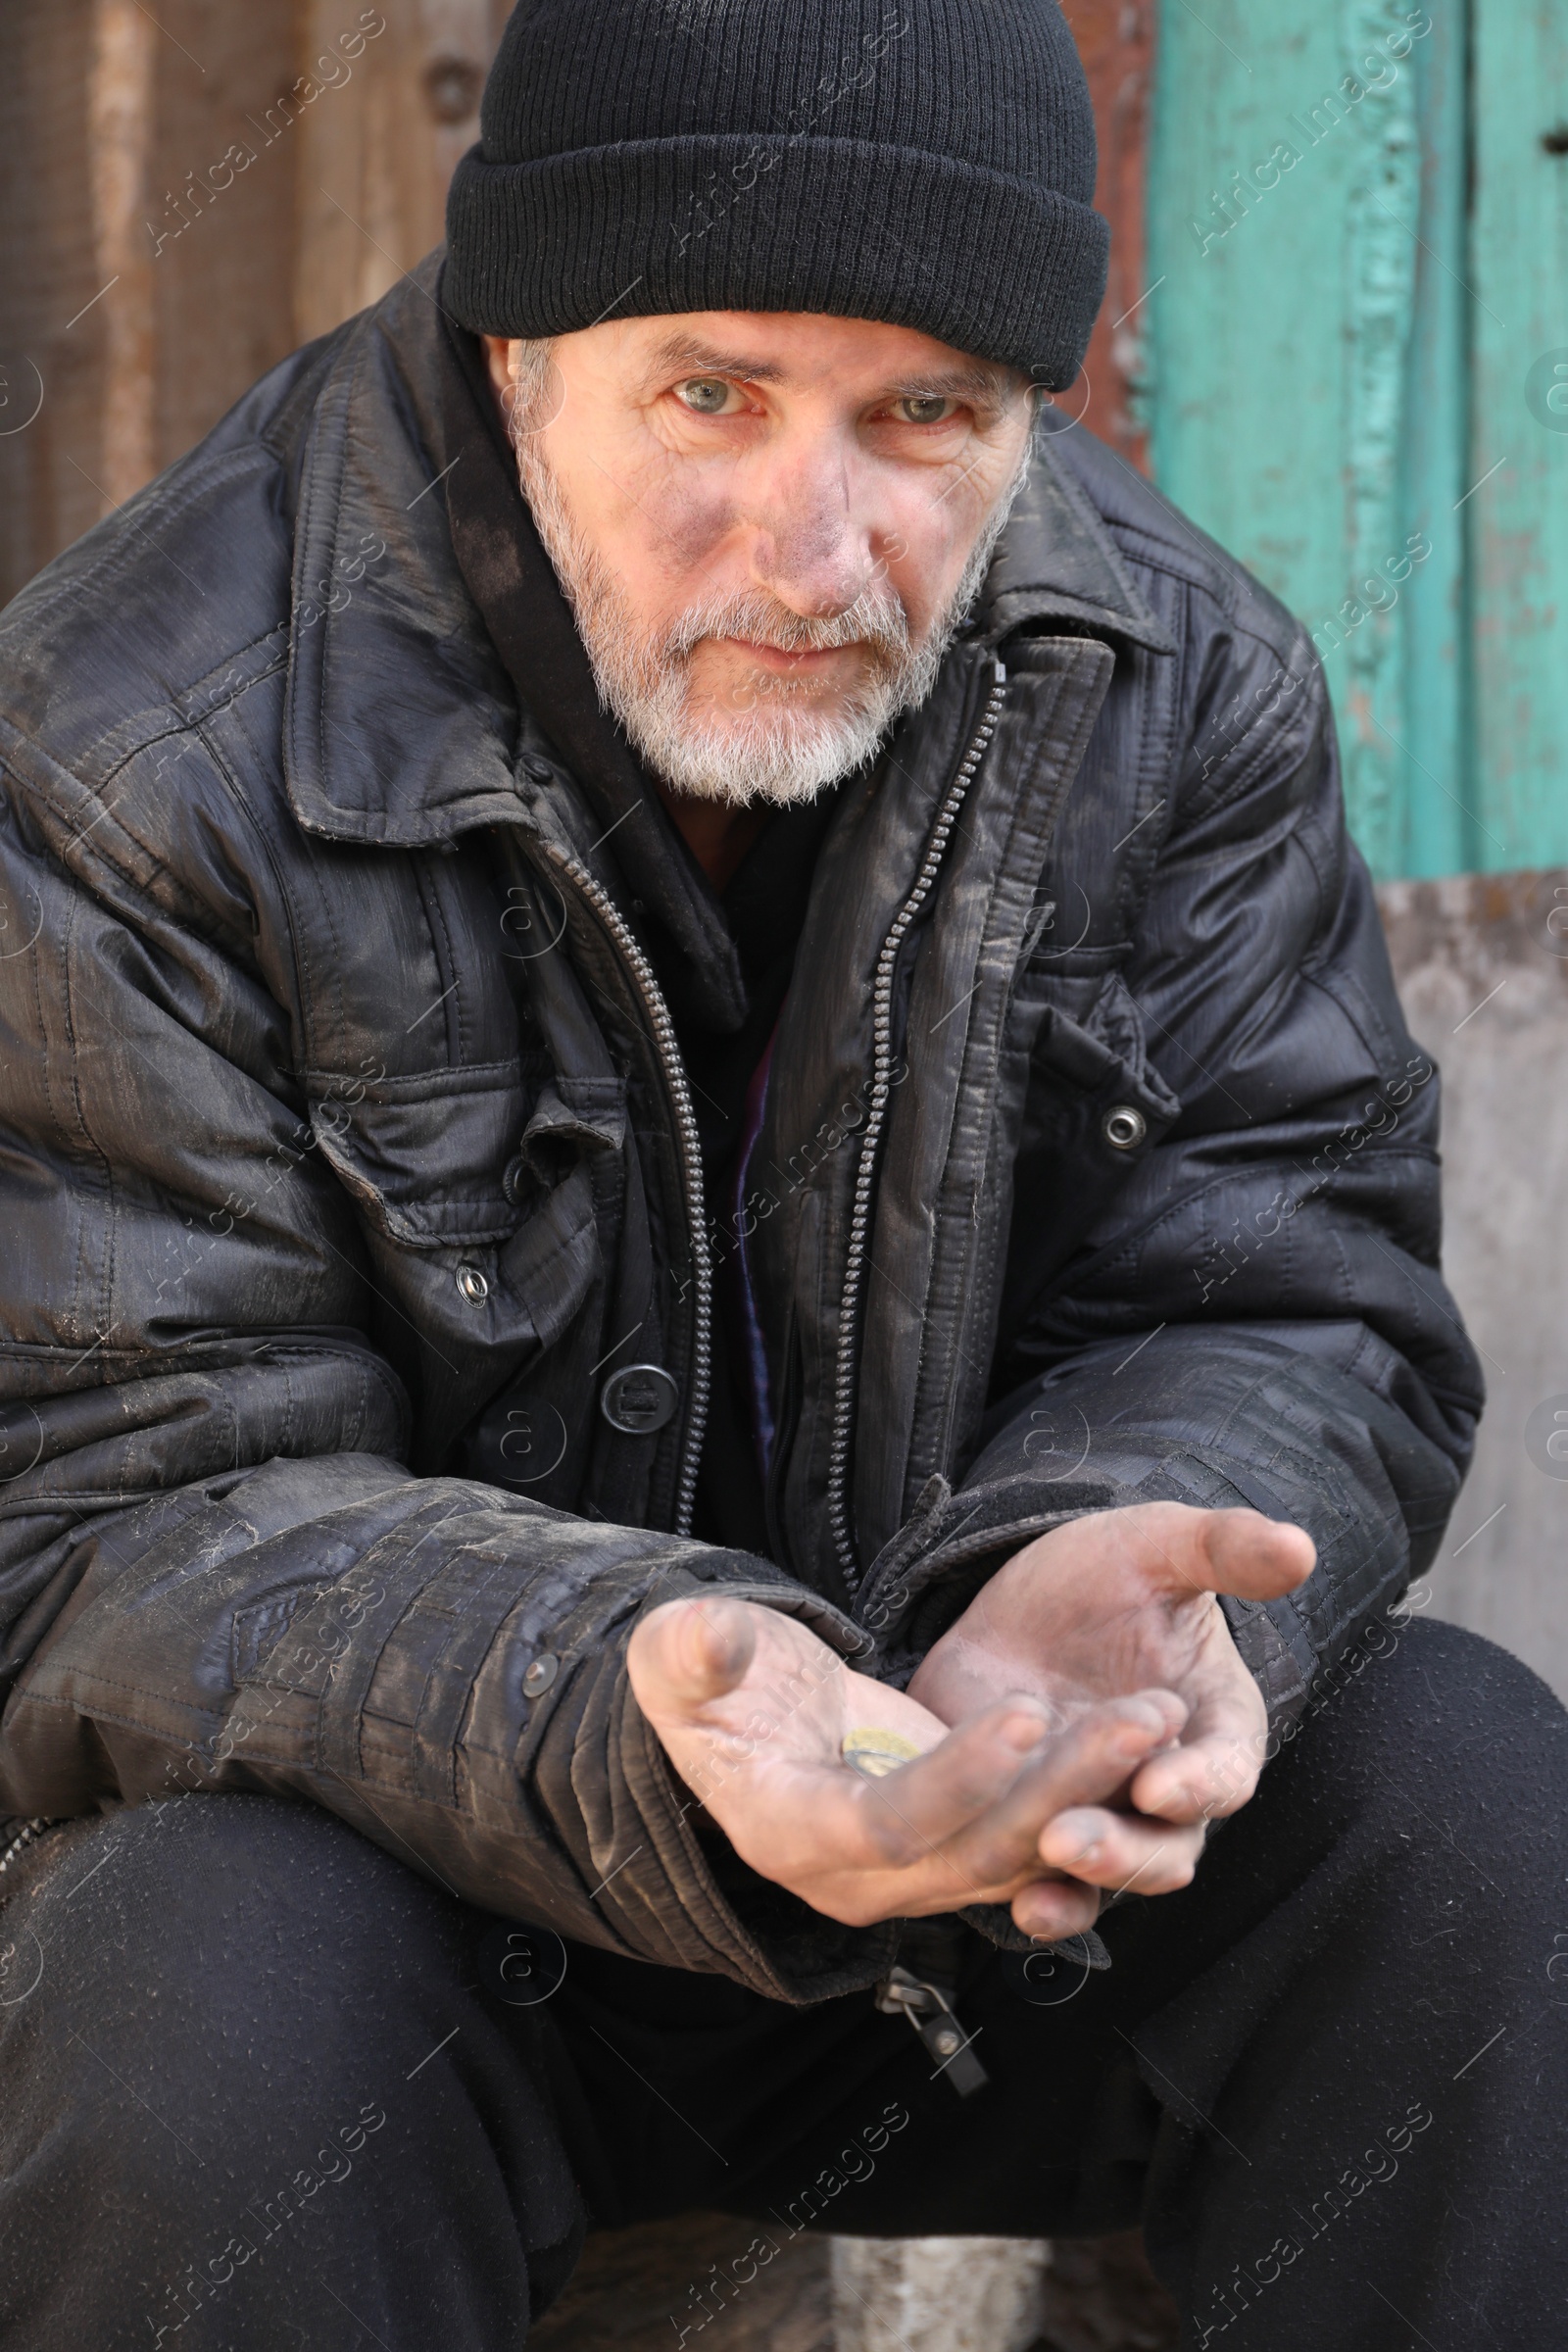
(256, 2094)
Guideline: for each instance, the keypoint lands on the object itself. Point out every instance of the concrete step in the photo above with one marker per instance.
(709, 2280)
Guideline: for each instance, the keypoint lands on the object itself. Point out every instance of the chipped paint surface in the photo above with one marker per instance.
(1519, 519)
(1334, 370)
(1382, 199)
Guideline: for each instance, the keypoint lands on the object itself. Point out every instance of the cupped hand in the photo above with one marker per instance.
(1122, 1601)
(752, 1711)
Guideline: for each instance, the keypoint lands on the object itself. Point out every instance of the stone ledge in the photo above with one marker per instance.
(657, 2288)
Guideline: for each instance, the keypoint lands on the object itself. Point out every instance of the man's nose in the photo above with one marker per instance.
(811, 549)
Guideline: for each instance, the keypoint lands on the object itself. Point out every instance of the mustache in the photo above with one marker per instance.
(876, 619)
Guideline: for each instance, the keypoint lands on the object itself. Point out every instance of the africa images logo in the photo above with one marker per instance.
(1547, 1436)
(1546, 391)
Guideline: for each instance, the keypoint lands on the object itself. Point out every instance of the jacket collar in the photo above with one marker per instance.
(401, 727)
(1057, 561)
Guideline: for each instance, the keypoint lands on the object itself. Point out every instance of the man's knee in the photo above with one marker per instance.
(1446, 1739)
(234, 1908)
(218, 1964)
(249, 2020)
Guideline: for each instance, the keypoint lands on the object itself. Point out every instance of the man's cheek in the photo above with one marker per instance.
(934, 548)
(686, 552)
(938, 529)
(685, 526)
(890, 552)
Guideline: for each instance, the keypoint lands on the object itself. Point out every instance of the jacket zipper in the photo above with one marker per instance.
(838, 1473)
(28, 1835)
(691, 1160)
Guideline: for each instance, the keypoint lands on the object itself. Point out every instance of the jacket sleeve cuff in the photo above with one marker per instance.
(1279, 1434)
(674, 1891)
(951, 1546)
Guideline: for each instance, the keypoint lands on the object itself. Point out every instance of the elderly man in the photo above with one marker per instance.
(724, 1302)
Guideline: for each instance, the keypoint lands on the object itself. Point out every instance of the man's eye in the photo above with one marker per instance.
(924, 408)
(708, 395)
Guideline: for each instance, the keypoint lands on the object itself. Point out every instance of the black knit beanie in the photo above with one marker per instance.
(930, 163)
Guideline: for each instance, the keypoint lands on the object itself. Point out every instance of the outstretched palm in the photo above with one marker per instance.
(1116, 1601)
(754, 1711)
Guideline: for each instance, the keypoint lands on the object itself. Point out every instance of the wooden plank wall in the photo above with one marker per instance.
(184, 200)
(1519, 535)
(105, 120)
(1116, 41)
(1289, 233)
(373, 177)
(1358, 237)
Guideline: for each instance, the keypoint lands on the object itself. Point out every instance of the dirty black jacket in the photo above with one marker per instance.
(345, 1139)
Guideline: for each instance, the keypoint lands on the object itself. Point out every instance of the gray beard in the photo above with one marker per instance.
(784, 746)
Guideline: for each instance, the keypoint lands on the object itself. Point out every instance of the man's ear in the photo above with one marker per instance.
(498, 359)
(527, 384)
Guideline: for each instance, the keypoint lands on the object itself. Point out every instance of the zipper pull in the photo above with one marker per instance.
(902, 1993)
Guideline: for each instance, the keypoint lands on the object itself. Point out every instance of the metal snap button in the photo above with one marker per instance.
(512, 1181)
(639, 1399)
(473, 1285)
(540, 1675)
(1124, 1128)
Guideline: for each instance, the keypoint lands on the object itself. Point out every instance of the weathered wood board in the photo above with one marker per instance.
(1358, 246)
(1518, 269)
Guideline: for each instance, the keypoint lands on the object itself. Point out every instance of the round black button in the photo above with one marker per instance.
(640, 1399)
(540, 769)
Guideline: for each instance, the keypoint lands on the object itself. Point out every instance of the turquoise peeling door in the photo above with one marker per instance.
(1358, 355)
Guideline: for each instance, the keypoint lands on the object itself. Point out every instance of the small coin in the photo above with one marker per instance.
(876, 1752)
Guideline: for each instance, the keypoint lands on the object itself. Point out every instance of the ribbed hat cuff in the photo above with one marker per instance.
(994, 266)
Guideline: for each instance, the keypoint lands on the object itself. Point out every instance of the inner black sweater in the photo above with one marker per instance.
(723, 961)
